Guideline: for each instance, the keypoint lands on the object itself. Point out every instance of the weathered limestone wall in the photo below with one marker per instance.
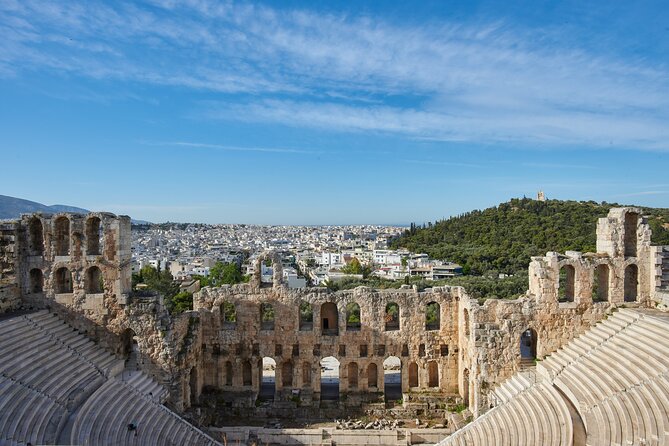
(10, 294)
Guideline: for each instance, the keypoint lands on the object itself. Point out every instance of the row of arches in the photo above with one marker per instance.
(600, 283)
(63, 283)
(329, 314)
(62, 236)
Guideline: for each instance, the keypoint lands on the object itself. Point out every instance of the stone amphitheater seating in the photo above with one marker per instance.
(615, 376)
(51, 376)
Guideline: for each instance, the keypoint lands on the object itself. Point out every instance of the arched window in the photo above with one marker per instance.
(372, 375)
(62, 236)
(228, 315)
(287, 374)
(267, 378)
(36, 236)
(247, 375)
(413, 374)
(306, 316)
(392, 316)
(432, 374)
(266, 317)
(330, 378)
(228, 373)
(352, 370)
(93, 235)
(306, 374)
(432, 316)
(631, 222)
(93, 283)
(392, 378)
(36, 281)
(352, 316)
(631, 285)
(566, 284)
(329, 319)
(63, 281)
(600, 283)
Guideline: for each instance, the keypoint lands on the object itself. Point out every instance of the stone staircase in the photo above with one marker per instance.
(614, 379)
(50, 374)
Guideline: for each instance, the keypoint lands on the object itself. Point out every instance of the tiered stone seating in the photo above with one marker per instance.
(104, 420)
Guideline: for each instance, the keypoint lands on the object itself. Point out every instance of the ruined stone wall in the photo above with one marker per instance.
(10, 294)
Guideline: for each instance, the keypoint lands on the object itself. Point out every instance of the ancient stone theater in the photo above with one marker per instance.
(581, 359)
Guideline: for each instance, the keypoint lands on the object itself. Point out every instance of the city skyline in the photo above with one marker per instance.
(331, 113)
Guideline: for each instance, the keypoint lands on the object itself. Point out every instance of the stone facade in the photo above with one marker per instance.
(79, 266)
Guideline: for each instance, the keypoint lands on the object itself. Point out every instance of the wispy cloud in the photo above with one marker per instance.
(199, 145)
(490, 83)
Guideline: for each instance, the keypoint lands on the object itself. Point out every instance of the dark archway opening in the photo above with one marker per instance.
(392, 378)
(267, 379)
(528, 345)
(330, 379)
(36, 281)
(631, 286)
(329, 319)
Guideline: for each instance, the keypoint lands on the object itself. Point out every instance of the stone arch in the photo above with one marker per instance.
(62, 236)
(36, 281)
(630, 237)
(266, 316)
(129, 347)
(93, 281)
(287, 374)
(432, 374)
(631, 283)
(372, 375)
(392, 317)
(528, 344)
(329, 319)
(267, 378)
(566, 283)
(306, 374)
(306, 316)
(432, 316)
(392, 378)
(600, 283)
(228, 373)
(63, 281)
(352, 372)
(273, 259)
(228, 315)
(353, 320)
(330, 378)
(36, 233)
(413, 374)
(93, 236)
(247, 373)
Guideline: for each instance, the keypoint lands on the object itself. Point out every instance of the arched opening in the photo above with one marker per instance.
(352, 316)
(329, 379)
(267, 379)
(93, 283)
(266, 316)
(194, 390)
(465, 321)
(372, 375)
(528, 345)
(228, 316)
(63, 281)
(247, 375)
(600, 283)
(287, 374)
(129, 347)
(306, 374)
(413, 374)
(36, 281)
(329, 319)
(566, 284)
(93, 236)
(631, 222)
(392, 317)
(631, 286)
(432, 374)
(62, 236)
(36, 236)
(432, 316)
(352, 371)
(392, 378)
(465, 387)
(306, 316)
(228, 373)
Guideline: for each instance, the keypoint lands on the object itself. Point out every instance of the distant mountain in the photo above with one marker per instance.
(11, 207)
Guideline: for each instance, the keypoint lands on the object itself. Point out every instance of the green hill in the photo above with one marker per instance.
(502, 239)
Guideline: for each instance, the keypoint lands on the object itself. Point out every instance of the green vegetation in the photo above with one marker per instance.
(432, 314)
(162, 282)
(223, 274)
(306, 312)
(355, 267)
(352, 313)
(182, 301)
(502, 239)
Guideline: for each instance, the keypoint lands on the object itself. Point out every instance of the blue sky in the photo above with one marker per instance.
(332, 112)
